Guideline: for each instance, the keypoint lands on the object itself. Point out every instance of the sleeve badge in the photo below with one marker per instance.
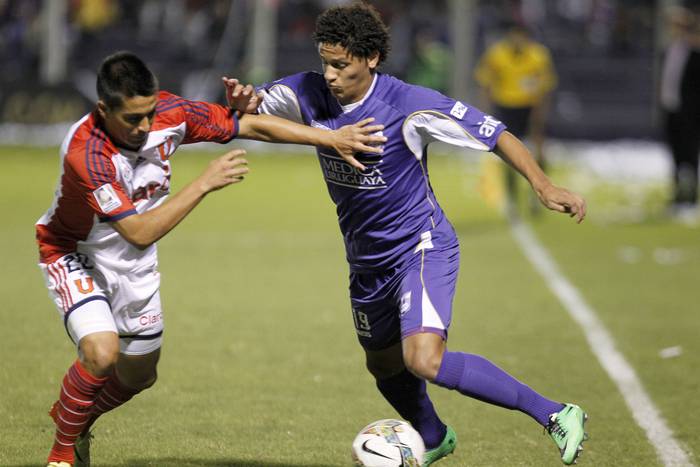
(107, 198)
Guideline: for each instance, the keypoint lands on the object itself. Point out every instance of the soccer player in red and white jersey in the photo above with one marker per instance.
(97, 240)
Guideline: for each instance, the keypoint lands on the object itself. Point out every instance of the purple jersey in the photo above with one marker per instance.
(389, 210)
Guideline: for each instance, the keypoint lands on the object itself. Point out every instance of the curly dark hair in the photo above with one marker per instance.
(358, 28)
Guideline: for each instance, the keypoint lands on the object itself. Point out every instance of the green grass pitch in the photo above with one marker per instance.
(260, 363)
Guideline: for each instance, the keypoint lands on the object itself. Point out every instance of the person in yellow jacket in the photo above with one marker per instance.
(517, 76)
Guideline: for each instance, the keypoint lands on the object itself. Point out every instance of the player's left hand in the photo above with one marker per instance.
(241, 97)
(360, 137)
(562, 200)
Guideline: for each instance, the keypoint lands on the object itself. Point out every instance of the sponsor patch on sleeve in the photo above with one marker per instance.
(107, 198)
(458, 110)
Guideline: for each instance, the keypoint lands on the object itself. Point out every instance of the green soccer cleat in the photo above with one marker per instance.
(566, 428)
(446, 448)
(82, 450)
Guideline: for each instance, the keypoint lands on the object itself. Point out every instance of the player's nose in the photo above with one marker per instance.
(144, 125)
(329, 75)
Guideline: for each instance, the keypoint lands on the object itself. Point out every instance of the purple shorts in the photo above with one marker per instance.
(391, 305)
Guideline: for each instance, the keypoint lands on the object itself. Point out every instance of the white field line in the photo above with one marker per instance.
(603, 347)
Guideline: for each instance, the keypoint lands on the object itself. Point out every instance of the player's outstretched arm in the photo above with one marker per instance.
(346, 141)
(142, 230)
(513, 151)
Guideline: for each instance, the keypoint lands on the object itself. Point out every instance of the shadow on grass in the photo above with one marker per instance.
(184, 462)
(187, 462)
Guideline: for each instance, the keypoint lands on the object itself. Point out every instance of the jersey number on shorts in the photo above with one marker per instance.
(76, 261)
(362, 325)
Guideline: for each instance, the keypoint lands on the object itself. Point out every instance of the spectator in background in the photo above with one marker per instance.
(20, 28)
(680, 101)
(92, 16)
(431, 64)
(517, 76)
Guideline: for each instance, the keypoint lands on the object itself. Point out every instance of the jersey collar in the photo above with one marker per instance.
(350, 107)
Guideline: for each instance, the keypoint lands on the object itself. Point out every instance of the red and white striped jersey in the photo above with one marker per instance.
(100, 183)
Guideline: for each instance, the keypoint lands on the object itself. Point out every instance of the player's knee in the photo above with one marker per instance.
(423, 362)
(99, 356)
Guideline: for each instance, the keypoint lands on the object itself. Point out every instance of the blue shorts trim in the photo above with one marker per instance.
(141, 337)
(78, 305)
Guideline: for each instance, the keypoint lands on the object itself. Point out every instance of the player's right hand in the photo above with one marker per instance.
(562, 200)
(225, 170)
(241, 98)
(360, 137)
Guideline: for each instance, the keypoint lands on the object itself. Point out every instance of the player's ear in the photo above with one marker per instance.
(102, 109)
(373, 61)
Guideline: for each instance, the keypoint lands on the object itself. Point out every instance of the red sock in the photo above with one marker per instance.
(112, 395)
(72, 410)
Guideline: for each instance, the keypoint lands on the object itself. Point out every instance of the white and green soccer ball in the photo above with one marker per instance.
(388, 443)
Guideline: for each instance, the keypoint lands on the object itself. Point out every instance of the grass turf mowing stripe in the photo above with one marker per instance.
(603, 346)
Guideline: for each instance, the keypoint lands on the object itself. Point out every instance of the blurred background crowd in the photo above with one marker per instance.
(604, 50)
(609, 72)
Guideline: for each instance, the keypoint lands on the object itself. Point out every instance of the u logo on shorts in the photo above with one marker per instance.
(85, 290)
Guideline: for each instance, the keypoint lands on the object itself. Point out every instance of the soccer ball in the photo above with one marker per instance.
(388, 443)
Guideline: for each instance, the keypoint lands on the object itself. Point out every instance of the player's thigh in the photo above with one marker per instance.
(426, 293)
(80, 296)
(374, 312)
(141, 326)
(377, 325)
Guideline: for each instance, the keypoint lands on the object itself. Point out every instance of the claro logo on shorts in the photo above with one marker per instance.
(147, 320)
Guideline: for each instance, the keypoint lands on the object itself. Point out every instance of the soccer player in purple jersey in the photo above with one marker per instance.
(403, 252)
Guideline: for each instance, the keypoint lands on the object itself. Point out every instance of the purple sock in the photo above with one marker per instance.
(476, 377)
(409, 396)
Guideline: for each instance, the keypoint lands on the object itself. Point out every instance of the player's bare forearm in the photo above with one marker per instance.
(347, 140)
(143, 230)
(273, 129)
(514, 152)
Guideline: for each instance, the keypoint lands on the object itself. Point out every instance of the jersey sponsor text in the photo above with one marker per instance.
(339, 172)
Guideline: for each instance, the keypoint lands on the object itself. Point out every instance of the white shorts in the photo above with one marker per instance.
(92, 301)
